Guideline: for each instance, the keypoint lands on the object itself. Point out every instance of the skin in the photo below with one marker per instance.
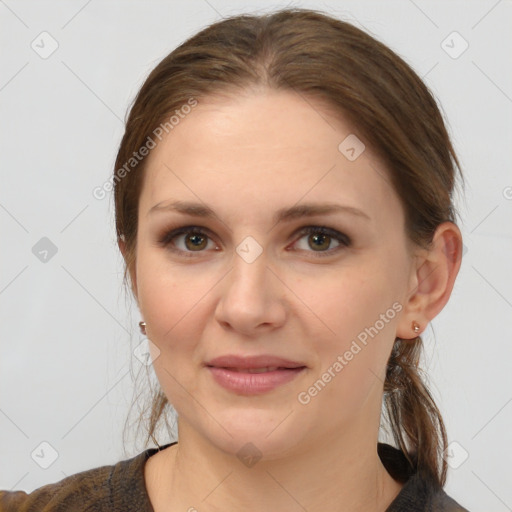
(246, 157)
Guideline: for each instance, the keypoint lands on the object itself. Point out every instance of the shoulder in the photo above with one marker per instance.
(418, 494)
(421, 496)
(441, 501)
(116, 487)
(66, 494)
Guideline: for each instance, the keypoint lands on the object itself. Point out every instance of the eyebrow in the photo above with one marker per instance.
(284, 214)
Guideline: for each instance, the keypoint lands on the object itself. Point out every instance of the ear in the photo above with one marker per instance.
(432, 279)
(132, 271)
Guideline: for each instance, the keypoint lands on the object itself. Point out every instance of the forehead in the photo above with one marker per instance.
(267, 120)
(264, 148)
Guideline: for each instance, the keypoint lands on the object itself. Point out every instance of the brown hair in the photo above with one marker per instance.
(317, 56)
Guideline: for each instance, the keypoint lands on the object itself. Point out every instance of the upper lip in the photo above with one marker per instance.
(248, 362)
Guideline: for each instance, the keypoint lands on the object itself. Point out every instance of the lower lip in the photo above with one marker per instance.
(253, 383)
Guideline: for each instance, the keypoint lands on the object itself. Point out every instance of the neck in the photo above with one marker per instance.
(201, 477)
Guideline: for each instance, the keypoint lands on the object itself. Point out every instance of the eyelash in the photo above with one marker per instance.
(168, 236)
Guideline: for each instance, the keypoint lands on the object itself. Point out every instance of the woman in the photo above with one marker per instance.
(283, 196)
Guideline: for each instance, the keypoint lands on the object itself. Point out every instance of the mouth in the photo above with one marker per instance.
(253, 375)
(257, 370)
(259, 363)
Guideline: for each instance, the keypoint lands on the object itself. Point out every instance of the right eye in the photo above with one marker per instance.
(191, 238)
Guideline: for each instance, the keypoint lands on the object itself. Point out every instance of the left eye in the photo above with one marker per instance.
(321, 237)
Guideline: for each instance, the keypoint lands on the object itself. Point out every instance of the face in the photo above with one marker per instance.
(322, 289)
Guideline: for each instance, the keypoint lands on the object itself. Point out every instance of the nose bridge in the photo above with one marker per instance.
(249, 276)
(249, 297)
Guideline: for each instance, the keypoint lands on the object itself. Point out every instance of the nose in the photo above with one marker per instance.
(252, 298)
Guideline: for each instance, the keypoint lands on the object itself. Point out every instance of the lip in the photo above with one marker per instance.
(248, 362)
(231, 372)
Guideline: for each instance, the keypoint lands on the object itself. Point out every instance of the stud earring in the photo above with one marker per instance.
(142, 326)
(415, 327)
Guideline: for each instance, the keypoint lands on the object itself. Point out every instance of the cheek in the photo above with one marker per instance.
(354, 314)
(168, 292)
(351, 361)
(175, 301)
(174, 305)
(168, 297)
(347, 299)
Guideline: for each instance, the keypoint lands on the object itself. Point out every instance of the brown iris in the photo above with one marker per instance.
(197, 241)
(320, 241)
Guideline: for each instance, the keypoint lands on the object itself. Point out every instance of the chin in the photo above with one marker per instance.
(253, 437)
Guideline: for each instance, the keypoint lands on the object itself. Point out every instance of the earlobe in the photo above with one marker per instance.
(432, 280)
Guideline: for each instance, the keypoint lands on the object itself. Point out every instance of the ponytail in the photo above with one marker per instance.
(416, 423)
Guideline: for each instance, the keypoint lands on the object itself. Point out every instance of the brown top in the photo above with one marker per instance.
(121, 488)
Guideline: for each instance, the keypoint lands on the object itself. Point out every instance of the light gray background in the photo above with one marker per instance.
(67, 328)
